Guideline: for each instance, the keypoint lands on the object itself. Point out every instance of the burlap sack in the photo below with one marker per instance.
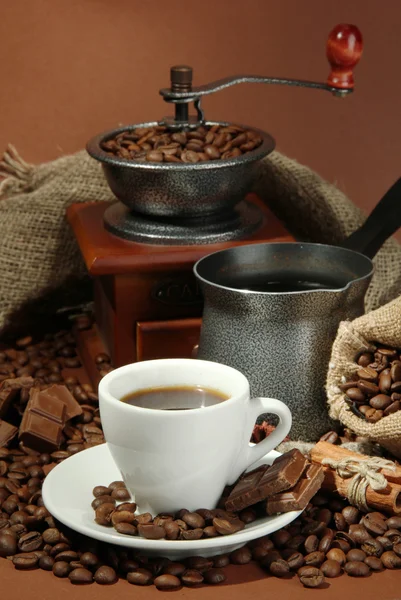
(382, 326)
(40, 263)
(38, 252)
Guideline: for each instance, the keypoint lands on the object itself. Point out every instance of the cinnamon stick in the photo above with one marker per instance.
(387, 500)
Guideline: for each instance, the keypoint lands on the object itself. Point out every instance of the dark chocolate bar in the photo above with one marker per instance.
(260, 484)
(7, 433)
(298, 497)
(43, 421)
(61, 392)
(39, 433)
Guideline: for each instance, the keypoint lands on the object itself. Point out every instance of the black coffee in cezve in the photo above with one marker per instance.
(179, 397)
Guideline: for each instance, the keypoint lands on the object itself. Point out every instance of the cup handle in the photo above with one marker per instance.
(251, 454)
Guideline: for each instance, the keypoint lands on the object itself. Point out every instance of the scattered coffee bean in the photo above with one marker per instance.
(214, 576)
(331, 568)
(80, 576)
(191, 578)
(311, 577)
(105, 575)
(25, 561)
(140, 577)
(357, 569)
(390, 560)
(167, 582)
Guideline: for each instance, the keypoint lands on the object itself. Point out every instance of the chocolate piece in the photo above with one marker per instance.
(43, 421)
(262, 483)
(61, 392)
(47, 406)
(9, 389)
(7, 433)
(299, 496)
(38, 433)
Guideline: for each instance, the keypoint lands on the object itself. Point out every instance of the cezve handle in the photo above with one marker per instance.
(382, 222)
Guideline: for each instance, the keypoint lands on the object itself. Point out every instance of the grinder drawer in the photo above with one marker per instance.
(166, 339)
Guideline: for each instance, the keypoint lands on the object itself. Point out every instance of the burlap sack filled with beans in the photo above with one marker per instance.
(40, 263)
(379, 327)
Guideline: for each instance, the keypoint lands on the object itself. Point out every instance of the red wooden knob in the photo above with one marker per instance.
(344, 49)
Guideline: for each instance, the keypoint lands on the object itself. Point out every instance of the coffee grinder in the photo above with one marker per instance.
(141, 249)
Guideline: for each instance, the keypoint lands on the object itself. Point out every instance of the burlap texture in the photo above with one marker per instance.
(39, 255)
(382, 326)
(38, 252)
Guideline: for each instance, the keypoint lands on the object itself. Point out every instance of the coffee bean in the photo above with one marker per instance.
(385, 542)
(358, 533)
(167, 582)
(192, 578)
(126, 529)
(390, 560)
(172, 530)
(340, 522)
(311, 577)
(331, 568)
(191, 534)
(357, 569)
(103, 514)
(175, 568)
(326, 541)
(30, 542)
(100, 490)
(220, 561)
(315, 559)
(356, 395)
(395, 371)
(105, 575)
(281, 537)
(67, 556)
(385, 381)
(199, 563)
(242, 556)
(337, 555)
(214, 576)
(8, 545)
(122, 516)
(151, 532)
(374, 563)
(356, 555)
(46, 562)
(89, 559)
(394, 523)
(226, 527)
(102, 500)
(80, 576)
(144, 519)
(248, 516)
(393, 535)
(140, 577)
(61, 547)
(372, 548)
(375, 523)
(25, 561)
(367, 374)
(193, 520)
(351, 515)
(311, 544)
(381, 402)
(368, 388)
(279, 568)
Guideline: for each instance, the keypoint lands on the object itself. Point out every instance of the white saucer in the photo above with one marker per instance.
(67, 494)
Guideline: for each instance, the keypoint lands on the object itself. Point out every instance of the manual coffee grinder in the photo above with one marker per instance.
(141, 249)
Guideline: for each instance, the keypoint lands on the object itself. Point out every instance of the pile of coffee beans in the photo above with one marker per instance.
(328, 539)
(158, 144)
(374, 391)
(184, 525)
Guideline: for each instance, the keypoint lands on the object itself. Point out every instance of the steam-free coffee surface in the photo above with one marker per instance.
(175, 397)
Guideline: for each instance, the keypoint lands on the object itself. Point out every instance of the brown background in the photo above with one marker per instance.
(72, 68)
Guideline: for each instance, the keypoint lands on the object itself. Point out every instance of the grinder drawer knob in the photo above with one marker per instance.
(344, 49)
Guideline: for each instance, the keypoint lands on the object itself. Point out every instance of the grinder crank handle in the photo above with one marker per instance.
(382, 222)
(344, 49)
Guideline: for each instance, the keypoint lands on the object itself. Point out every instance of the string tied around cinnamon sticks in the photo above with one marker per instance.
(364, 473)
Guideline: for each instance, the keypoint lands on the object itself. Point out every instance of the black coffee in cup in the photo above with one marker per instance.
(175, 397)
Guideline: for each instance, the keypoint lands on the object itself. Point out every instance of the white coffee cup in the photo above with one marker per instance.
(184, 458)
